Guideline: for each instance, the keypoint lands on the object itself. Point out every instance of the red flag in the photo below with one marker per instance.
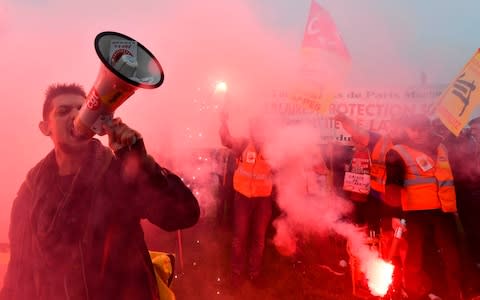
(324, 62)
(322, 33)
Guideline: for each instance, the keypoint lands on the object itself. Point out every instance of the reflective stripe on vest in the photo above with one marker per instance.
(253, 176)
(415, 181)
(246, 173)
(427, 189)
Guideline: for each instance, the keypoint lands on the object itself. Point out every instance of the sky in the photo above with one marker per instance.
(251, 44)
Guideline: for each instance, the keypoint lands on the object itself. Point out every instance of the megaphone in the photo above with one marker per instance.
(126, 66)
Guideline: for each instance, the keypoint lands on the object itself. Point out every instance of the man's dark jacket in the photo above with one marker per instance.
(86, 242)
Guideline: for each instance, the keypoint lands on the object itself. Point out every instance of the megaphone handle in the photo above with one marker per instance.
(103, 119)
(107, 121)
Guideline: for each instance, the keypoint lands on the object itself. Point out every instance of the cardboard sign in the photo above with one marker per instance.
(357, 183)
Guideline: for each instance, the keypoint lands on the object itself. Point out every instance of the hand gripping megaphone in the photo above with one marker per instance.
(126, 66)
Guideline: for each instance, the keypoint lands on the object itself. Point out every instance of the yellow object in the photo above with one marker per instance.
(428, 184)
(461, 97)
(253, 176)
(163, 265)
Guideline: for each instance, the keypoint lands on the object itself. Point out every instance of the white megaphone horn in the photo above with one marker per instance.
(126, 66)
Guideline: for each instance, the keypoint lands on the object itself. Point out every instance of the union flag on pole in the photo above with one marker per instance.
(321, 32)
(324, 60)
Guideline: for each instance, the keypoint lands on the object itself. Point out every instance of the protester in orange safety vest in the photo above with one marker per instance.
(420, 178)
(380, 210)
(253, 176)
(252, 204)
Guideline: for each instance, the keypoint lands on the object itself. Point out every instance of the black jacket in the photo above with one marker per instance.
(86, 242)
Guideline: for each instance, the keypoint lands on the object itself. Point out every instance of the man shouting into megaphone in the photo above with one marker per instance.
(75, 224)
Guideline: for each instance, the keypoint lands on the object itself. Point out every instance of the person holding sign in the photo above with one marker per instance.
(378, 211)
(420, 178)
(356, 184)
(376, 146)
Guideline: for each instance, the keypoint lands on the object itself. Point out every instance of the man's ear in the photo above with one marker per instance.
(44, 128)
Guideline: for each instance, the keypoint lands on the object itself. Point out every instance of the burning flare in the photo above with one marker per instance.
(221, 87)
(379, 274)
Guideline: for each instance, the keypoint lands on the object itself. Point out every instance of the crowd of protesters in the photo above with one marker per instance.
(417, 177)
(424, 175)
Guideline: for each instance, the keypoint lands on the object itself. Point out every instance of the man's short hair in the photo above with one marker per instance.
(57, 89)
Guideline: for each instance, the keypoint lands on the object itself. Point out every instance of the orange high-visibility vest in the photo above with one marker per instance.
(253, 176)
(378, 173)
(428, 183)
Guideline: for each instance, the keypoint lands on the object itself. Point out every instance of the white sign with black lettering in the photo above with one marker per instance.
(357, 183)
